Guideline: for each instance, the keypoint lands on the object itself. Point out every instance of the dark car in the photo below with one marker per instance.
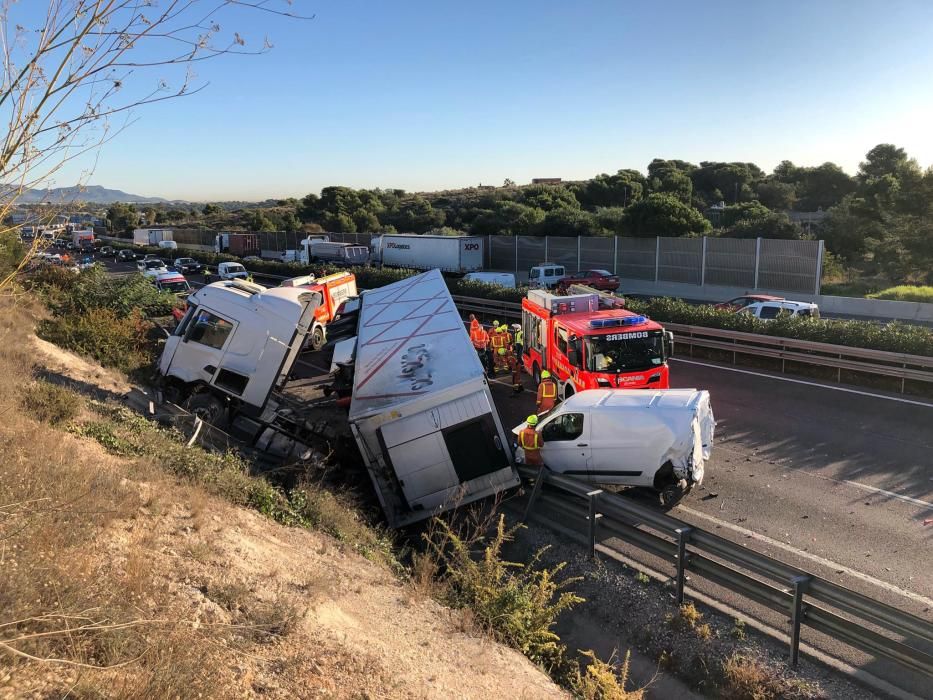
(744, 300)
(107, 251)
(187, 266)
(126, 255)
(602, 280)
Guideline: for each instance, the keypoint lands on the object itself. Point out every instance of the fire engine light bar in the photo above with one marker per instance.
(612, 322)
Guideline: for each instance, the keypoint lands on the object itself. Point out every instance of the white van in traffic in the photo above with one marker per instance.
(769, 310)
(546, 275)
(637, 437)
(231, 271)
(500, 279)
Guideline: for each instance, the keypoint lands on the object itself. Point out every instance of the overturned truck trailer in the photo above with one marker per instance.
(421, 410)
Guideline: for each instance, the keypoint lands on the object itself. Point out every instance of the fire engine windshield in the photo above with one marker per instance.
(631, 351)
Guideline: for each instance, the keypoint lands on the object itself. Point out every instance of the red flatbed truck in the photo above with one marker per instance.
(585, 345)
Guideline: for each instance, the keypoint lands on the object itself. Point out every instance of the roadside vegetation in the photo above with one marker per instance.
(892, 337)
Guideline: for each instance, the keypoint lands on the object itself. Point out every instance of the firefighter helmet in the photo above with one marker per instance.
(501, 351)
(532, 420)
(545, 374)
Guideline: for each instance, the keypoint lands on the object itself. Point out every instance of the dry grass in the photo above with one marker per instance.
(686, 617)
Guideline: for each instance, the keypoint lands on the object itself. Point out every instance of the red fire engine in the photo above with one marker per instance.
(334, 289)
(585, 345)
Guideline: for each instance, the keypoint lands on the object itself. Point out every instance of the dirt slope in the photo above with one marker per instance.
(191, 596)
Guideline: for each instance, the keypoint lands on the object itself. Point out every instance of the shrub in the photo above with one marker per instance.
(66, 293)
(905, 292)
(517, 603)
(50, 403)
(114, 340)
(894, 337)
(601, 681)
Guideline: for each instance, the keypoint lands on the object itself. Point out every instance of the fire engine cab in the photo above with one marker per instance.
(334, 290)
(588, 341)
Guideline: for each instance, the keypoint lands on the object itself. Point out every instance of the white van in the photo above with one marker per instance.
(769, 310)
(500, 279)
(232, 271)
(546, 275)
(658, 439)
(168, 245)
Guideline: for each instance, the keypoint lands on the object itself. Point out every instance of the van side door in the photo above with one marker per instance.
(566, 439)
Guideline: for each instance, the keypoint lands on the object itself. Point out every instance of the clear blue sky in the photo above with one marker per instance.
(425, 95)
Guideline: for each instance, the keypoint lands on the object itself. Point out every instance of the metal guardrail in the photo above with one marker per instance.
(810, 601)
(839, 357)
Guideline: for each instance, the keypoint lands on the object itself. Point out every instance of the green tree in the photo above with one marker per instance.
(772, 225)
(365, 220)
(776, 195)
(664, 215)
(123, 218)
(565, 221)
(746, 211)
(309, 208)
(211, 209)
(257, 221)
(338, 223)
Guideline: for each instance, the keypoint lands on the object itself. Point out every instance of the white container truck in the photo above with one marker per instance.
(421, 409)
(151, 236)
(457, 254)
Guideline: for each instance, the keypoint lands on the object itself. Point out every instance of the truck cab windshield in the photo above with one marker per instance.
(631, 351)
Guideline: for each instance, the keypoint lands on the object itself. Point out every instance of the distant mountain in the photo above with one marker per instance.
(92, 194)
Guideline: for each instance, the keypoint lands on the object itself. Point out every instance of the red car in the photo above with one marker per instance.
(744, 300)
(602, 280)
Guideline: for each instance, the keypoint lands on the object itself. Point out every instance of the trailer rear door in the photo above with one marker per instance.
(436, 452)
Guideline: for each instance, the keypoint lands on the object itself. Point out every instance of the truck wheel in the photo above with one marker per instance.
(317, 338)
(208, 408)
(674, 493)
(536, 373)
(568, 391)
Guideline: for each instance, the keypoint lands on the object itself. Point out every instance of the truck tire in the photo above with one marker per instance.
(674, 493)
(208, 408)
(568, 391)
(536, 374)
(317, 339)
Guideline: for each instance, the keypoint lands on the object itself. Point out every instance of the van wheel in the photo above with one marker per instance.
(674, 493)
(208, 408)
(317, 338)
(536, 373)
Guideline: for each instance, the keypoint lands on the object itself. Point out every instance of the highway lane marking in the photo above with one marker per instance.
(812, 557)
(865, 487)
(802, 381)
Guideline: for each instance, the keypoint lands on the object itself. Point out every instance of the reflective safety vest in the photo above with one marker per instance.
(520, 337)
(479, 337)
(498, 339)
(547, 394)
(530, 441)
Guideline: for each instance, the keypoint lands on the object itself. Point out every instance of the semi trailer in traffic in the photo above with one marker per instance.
(454, 254)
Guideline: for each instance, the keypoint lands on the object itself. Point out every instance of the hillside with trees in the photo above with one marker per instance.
(878, 222)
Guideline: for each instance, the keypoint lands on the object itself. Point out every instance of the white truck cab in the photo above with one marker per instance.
(659, 439)
(546, 275)
(235, 343)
